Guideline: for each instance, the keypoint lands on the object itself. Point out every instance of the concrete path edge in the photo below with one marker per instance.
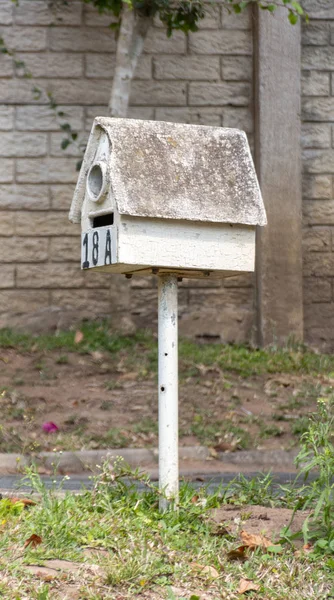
(89, 460)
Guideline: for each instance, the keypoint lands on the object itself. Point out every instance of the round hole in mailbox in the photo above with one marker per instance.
(96, 181)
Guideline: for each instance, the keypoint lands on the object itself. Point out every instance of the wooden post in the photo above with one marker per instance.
(278, 164)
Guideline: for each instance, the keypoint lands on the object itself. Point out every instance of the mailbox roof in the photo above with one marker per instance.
(178, 171)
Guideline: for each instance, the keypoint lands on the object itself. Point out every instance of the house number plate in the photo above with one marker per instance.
(97, 248)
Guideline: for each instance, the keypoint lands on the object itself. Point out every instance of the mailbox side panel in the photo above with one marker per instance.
(186, 245)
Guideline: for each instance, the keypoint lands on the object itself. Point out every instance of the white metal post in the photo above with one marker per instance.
(168, 389)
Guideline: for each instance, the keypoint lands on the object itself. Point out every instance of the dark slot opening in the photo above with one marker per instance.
(103, 220)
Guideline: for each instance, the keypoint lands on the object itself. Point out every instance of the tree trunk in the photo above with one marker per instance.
(129, 48)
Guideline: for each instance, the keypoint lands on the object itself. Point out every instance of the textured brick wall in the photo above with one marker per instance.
(318, 172)
(203, 79)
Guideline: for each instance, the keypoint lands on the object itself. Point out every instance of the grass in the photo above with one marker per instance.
(210, 431)
(119, 546)
(141, 351)
(140, 550)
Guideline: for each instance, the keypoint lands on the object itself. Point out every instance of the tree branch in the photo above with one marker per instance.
(130, 45)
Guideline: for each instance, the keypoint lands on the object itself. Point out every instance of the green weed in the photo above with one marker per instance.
(146, 425)
(300, 425)
(62, 359)
(209, 432)
(114, 438)
(139, 549)
(317, 455)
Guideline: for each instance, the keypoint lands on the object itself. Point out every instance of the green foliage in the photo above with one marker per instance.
(185, 15)
(96, 336)
(240, 359)
(257, 490)
(140, 549)
(317, 455)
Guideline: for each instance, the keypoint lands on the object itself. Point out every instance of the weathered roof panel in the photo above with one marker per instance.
(178, 171)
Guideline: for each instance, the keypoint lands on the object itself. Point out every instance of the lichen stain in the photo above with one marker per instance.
(172, 142)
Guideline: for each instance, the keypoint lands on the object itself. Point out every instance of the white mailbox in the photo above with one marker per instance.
(172, 199)
(168, 197)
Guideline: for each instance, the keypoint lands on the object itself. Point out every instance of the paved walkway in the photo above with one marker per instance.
(76, 483)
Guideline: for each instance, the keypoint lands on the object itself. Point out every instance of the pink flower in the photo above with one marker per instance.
(50, 427)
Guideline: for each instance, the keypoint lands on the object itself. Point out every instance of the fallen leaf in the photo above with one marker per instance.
(194, 499)
(307, 547)
(224, 447)
(246, 585)
(205, 570)
(79, 336)
(253, 540)
(34, 541)
(237, 553)
(25, 501)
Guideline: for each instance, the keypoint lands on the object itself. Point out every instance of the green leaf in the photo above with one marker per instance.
(271, 8)
(65, 127)
(320, 503)
(293, 18)
(65, 143)
(74, 136)
(277, 549)
(297, 7)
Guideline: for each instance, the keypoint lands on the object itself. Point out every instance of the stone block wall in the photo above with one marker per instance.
(205, 78)
(318, 172)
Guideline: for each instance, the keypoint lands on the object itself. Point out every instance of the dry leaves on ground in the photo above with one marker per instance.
(25, 501)
(246, 585)
(33, 541)
(207, 570)
(253, 540)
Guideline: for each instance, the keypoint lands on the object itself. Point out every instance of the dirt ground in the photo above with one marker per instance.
(96, 402)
